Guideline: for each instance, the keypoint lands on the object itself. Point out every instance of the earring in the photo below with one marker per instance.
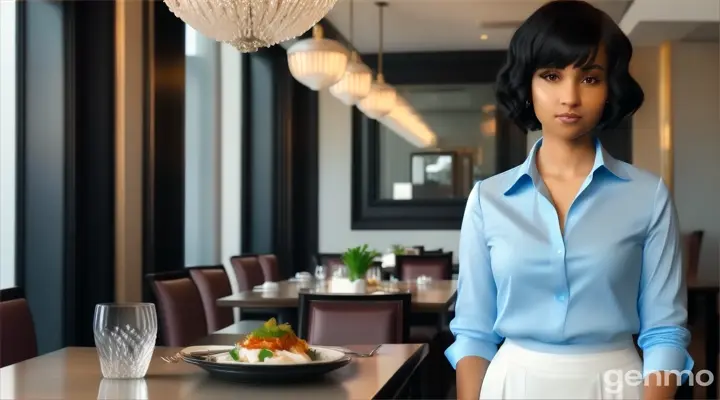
(527, 103)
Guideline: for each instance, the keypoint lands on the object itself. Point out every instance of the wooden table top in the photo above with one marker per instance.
(74, 373)
(434, 296)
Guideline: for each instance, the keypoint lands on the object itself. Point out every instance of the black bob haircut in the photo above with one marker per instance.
(558, 34)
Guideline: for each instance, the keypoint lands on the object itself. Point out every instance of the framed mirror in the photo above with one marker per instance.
(397, 184)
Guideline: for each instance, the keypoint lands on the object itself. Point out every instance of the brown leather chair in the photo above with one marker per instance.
(212, 283)
(339, 320)
(248, 272)
(270, 268)
(17, 330)
(180, 308)
(436, 266)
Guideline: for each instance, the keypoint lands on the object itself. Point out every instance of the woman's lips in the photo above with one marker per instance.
(568, 118)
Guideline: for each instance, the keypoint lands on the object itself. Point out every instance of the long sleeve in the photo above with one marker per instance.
(476, 303)
(662, 301)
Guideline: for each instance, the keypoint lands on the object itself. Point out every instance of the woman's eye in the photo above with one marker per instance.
(551, 77)
(591, 80)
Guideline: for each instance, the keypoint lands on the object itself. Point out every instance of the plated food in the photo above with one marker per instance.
(272, 344)
(271, 354)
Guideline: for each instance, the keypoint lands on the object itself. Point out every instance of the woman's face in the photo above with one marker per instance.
(569, 102)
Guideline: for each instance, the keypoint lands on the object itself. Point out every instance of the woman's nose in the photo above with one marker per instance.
(570, 94)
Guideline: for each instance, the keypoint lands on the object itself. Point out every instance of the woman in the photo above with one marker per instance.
(569, 255)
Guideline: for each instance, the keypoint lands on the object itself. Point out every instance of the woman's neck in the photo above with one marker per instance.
(566, 159)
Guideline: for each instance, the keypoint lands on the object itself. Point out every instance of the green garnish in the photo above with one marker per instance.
(271, 330)
(312, 354)
(234, 354)
(264, 353)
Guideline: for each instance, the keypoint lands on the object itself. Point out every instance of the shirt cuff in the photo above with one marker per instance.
(464, 346)
(669, 359)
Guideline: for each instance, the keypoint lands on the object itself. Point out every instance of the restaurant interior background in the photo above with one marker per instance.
(131, 144)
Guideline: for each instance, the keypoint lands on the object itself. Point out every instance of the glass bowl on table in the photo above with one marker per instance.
(125, 335)
(374, 276)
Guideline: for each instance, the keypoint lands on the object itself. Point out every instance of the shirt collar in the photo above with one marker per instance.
(528, 169)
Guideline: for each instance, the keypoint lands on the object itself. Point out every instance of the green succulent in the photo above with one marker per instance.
(398, 249)
(358, 260)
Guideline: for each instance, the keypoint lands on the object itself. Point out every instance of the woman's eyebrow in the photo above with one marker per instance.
(593, 67)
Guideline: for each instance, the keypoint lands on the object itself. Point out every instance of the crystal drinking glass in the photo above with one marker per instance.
(320, 272)
(125, 337)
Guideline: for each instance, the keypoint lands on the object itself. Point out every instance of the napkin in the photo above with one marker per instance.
(266, 287)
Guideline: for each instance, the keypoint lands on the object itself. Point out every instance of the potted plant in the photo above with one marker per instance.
(358, 261)
(398, 250)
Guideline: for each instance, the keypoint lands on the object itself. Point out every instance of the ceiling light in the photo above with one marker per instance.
(483, 37)
(251, 24)
(317, 63)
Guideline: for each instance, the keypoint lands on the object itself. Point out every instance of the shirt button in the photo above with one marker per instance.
(561, 297)
(560, 251)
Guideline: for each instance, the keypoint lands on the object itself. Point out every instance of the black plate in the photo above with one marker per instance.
(269, 373)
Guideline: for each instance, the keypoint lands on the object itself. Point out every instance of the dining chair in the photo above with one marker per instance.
(270, 268)
(435, 266)
(180, 308)
(18, 341)
(328, 260)
(340, 319)
(213, 283)
(248, 271)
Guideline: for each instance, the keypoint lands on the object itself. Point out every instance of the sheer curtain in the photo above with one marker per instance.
(202, 150)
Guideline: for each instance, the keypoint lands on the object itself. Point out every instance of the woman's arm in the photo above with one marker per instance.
(476, 305)
(468, 377)
(662, 303)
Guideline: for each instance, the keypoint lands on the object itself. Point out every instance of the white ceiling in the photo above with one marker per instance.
(443, 25)
(651, 22)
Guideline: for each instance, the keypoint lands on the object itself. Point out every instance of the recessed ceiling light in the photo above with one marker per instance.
(483, 37)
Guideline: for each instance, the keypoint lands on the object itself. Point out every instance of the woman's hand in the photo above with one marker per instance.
(469, 376)
(660, 386)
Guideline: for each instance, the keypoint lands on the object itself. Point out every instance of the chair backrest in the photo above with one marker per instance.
(329, 260)
(212, 283)
(339, 320)
(180, 308)
(435, 266)
(248, 272)
(18, 341)
(270, 268)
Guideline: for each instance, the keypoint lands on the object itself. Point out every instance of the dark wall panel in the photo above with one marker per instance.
(280, 162)
(90, 277)
(66, 172)
(164, 141)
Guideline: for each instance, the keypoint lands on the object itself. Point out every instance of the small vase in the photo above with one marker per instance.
(345, 285)
(358, 286)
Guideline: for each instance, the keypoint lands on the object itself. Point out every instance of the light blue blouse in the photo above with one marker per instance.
(616, 272)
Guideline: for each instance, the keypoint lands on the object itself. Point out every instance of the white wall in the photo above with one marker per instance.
(8, 135)
(696, 129)
(335, 156)
(231, 68)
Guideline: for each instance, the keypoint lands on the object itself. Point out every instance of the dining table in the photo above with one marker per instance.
(433, 296)
(74, 373)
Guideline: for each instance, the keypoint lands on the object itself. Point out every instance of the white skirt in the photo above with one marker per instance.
(520, 373)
